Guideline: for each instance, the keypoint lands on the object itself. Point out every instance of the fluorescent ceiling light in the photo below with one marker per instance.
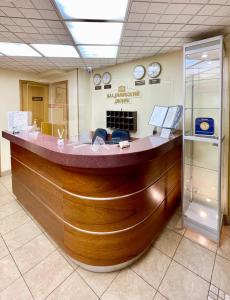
(56, 50)
(93, 9)
(17, 49)
(95, 32)
(98, 51)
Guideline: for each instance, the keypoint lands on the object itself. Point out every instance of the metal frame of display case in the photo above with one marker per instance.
(188, 222)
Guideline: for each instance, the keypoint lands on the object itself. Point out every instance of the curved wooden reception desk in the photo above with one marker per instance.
(104, 208)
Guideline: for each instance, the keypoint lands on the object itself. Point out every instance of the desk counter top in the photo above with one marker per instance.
(74, 154)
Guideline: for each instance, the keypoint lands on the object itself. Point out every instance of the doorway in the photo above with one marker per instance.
(35, 98)
(48, 103)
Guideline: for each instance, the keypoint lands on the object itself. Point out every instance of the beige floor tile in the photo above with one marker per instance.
(5, 199)
(51, 240)
(200, 239)
(73, 288)
(8, 272)
(159, 297)
(128, 286)
(9, 209)
(7, 182)
(70, 260)
(32, 253)
(47, 275)
(221, 274)
(196, 258)
(13, 221)
(3, 190)
(167, 242)
(180, 284)
(224, 249)
(21, 235)
(152, 267)
(99, 282)
(3, 249)
(16, 291)
(175, 224)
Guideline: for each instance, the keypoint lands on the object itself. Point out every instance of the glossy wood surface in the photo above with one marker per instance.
(100, 217)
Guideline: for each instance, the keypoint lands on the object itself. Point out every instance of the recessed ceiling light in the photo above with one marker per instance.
(96, 9)
(98, 51)
(95, 32)
(17, 49)
(50, 50)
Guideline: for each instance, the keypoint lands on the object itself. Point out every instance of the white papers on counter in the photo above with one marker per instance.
(173, 116)
(158, 116)
(19, 120)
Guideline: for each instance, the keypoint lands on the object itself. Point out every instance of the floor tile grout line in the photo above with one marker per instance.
(118, 273)
(40, 233)
(59, 285)
(61, 253)
(19, 273)
(143, 278)
(38, 263)
(86, 283)
(169, 266)
(27, 221)
(11, 213)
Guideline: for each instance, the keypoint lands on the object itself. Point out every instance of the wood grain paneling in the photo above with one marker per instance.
(100, 217)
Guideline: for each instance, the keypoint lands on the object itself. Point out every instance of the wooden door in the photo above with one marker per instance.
(35, 98)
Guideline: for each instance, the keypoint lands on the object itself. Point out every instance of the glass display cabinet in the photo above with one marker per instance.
(203, 136)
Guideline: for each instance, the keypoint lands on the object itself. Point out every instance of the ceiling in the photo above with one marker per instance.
(151, 27)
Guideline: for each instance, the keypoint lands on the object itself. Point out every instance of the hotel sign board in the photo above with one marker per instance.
(123, 95)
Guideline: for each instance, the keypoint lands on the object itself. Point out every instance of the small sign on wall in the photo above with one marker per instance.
(140, 82)
(97, 87)
(37, 98)
(107, 86)
(154, 81)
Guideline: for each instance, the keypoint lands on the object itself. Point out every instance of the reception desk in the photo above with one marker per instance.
(103, 207)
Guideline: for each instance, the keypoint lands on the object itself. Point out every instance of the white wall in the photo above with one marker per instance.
(9, 100)
(168, 92)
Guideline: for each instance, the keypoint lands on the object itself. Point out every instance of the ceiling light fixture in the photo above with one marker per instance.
(17, 49)
(88, 51)
(50, 50)
(105, 33)
(94, 10)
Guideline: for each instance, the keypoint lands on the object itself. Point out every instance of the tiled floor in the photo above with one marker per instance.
(180, 265)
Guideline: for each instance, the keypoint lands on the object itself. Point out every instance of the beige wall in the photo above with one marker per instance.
(10, 100)
(168, 92)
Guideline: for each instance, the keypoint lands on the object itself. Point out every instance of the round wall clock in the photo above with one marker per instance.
(154, 69)
(106, 78)
(97, 79)
(139, 72)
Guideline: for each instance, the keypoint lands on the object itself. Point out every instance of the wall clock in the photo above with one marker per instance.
(139, 72)
(154, 69)
(97, 79)
(106, 78)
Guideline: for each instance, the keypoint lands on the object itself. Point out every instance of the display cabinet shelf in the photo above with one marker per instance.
(121, 120)
(203, 154)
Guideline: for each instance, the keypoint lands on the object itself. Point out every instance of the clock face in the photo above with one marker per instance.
(204, 126)
(106, 78)
(97, 79)
(154, 69)
(139, 72)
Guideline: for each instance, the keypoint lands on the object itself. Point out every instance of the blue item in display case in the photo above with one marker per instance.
(204, 126)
